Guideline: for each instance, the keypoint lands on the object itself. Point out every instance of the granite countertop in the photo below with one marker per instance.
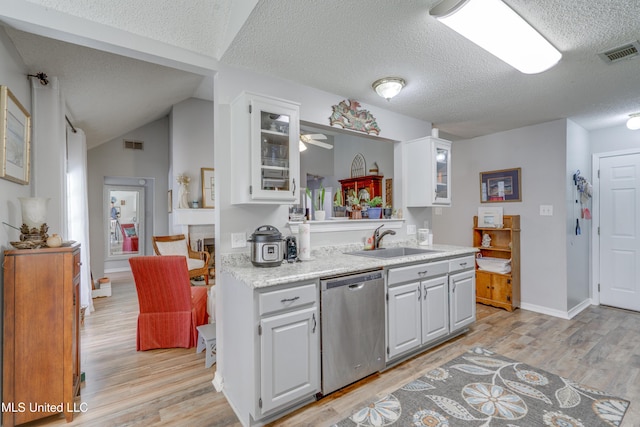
(328, 261)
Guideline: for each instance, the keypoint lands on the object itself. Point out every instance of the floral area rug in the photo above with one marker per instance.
(483, 389)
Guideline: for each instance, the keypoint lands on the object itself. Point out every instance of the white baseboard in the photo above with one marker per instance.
(217, 382)
(557, 313)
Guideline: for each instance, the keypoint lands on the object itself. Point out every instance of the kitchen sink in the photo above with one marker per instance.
(392, 252)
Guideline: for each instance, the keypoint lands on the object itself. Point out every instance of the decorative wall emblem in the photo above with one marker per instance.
(349, 116)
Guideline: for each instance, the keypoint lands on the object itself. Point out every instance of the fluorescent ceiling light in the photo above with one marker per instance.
(634, 121)
(388, 87)
(495, 27)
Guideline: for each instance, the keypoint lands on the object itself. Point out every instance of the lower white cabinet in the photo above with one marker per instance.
(427, 302)
(462, 299)
(417, 310)
(271, 356)
(403, 326)
(289, 357)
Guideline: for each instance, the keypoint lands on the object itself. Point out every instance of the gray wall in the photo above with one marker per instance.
(111, 159)
(614, 139)
(540, 151)
(13, 75)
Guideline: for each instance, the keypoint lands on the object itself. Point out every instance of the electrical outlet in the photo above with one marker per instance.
(438, 210)
(239, 240)
(546, 210)
(411, 229)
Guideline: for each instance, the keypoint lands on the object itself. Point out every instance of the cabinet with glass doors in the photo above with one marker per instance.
(265, 150)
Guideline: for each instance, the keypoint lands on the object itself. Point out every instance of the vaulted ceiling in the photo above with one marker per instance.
(342, 46)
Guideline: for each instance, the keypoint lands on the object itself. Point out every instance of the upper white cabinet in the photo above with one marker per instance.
(428, 172)
(265, 151)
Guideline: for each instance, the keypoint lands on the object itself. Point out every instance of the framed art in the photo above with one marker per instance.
(208, 187)
(500, 186)
(15, 138)
(490, 217)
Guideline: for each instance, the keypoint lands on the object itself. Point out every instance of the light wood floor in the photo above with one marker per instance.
(123, 387)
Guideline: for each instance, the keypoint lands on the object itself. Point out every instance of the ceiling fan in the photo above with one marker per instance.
(312, 138)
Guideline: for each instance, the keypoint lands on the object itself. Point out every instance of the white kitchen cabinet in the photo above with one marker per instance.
(404, 319)
(462, 293)
(271, 356)
(265, 153)
(289, 357)
(428, 172)
(435, 309)
(418, 310)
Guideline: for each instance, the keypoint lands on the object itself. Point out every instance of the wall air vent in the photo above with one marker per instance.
(626, 51)
(133, 145)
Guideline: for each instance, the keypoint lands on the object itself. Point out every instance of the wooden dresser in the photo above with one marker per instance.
(41, 354)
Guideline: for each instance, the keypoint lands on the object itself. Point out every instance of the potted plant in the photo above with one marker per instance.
(318, 204)
(354, 206)
(375, 207)
(338, 205)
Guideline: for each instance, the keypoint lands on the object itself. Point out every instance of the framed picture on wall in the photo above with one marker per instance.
(208, 187)
(500, 186)
(15, 138)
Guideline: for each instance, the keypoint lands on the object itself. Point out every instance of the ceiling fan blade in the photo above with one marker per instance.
(315, 136)
(320, 144)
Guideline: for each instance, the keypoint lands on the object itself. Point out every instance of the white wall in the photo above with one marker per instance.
(315, 107)
(191, 147)
(578, 247)
(540, 151)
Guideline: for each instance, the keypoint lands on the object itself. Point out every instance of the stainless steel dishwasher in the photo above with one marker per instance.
(352, 318)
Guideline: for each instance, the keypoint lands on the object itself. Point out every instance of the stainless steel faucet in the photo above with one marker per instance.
(377, 237)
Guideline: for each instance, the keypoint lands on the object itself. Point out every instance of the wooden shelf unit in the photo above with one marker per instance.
(496, 289)
(41, 346)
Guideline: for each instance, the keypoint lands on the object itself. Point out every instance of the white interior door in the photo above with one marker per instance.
(619, 234)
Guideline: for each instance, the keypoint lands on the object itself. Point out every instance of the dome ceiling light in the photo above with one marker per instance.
(634, 121)
(388, 87)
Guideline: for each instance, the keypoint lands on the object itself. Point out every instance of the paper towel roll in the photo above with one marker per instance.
(304, 242)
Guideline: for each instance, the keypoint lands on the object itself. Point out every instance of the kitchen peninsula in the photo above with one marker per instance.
(271, 321)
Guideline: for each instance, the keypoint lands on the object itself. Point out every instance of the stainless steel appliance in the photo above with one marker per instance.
(291, 249)
(352, 318)
(266, 246)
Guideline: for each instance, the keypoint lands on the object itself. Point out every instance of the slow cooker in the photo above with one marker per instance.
(266, 247)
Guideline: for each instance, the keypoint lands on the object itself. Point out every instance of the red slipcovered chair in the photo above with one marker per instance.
(170, 308)
(129, 238)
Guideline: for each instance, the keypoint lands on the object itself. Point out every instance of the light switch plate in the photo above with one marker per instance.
(239, 240)
(546, 210)
(411, 229)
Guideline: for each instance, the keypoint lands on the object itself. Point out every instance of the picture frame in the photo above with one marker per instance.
(15, 138)
(490, 217)
(208, 187)
(170, 201)
(501, 186)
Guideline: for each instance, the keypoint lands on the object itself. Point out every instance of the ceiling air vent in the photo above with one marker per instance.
(133, 145)
(625, 51)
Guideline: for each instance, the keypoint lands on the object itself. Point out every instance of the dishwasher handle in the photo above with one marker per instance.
(356, 286)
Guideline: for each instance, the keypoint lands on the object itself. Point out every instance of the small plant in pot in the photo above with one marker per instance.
(375, 207)
(318, 204)
(354, 207)
(339, 209)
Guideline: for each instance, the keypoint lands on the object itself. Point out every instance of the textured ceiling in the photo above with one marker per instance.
(342, 46)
